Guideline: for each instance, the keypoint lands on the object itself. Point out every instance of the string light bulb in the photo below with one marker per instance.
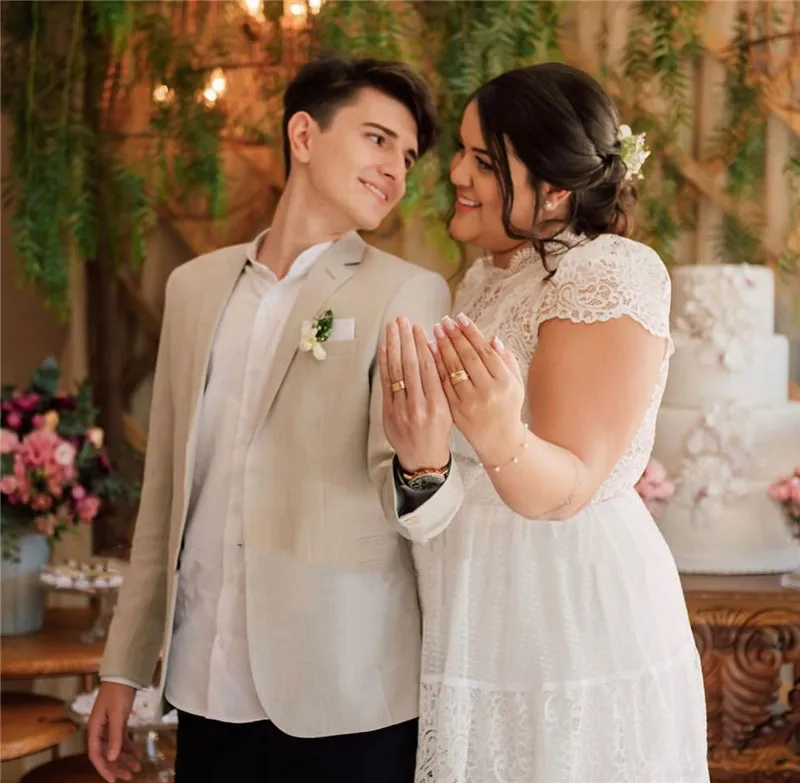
(218, 82)
(253, 7)
(162, 94)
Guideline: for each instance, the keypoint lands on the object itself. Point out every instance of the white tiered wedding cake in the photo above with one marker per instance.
(726, 429)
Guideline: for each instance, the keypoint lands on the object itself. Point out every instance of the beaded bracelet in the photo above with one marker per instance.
(514, 460)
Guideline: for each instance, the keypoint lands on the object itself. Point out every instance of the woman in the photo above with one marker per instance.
(557, 645)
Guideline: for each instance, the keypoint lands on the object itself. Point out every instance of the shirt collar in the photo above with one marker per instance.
(302, 264)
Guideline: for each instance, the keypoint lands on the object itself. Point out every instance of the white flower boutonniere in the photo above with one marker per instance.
(633, 151)
(314, 333)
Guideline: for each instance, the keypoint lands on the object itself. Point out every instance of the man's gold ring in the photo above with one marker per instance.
(459, 377)
(398, 386)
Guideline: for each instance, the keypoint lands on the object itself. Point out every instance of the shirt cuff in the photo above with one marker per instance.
(123, 681)
(408, 499)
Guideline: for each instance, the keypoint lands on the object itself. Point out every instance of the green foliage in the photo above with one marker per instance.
(72, 182)
(663, 41)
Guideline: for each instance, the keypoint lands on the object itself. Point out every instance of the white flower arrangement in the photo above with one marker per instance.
(314, 333)
(633, 151)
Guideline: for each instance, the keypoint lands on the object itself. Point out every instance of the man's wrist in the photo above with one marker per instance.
(413, 464)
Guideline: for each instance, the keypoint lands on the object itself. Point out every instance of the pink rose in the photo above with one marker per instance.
(8, 441)
(42, 502)
(795, 490)
(8, 484)
(14, 420)
(46, 524)
(28, 402)
(88, 508)
(779, 491)
(78, 492)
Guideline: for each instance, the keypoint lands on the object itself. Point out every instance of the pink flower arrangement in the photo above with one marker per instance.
(786, 492)
(654, 487)
(54, 472)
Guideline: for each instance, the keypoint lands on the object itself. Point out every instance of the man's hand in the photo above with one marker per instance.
(416, 416)
(111, 751)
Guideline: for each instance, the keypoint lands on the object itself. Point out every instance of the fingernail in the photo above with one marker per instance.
(438, 331)
(498, 343)
(449, 323)
(433, 346)
(462, 319)
(402, 321)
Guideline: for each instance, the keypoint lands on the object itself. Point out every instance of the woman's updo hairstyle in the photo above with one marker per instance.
(563, 126)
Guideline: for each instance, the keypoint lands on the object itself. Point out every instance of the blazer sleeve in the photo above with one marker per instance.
(424, 299)
(135, 636)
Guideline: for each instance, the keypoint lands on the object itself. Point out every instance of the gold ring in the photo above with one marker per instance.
(459, 377)
(398, 386)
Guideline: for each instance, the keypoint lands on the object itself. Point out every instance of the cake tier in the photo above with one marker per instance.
(762, 444)
(753, 372)
(724, 299)
(747, 534)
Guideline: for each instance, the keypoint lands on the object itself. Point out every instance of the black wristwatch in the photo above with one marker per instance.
(425, 479)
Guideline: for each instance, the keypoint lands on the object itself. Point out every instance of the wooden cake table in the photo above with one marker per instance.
(747, 629)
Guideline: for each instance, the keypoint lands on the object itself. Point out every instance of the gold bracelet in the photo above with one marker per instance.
(514, 460)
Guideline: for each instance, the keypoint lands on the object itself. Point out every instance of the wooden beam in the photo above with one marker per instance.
(149, 319)
(134, 435)
(776, 92)
(137, 370)
(700, 175)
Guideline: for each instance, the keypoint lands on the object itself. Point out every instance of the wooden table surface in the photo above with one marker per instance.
(30, 722)
(56, 651)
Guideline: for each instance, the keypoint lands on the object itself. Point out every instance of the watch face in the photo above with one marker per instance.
(431, 481)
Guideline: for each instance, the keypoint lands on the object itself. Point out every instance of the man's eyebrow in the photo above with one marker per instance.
(392, 134)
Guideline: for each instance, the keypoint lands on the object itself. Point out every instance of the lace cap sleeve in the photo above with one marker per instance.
(609, 278)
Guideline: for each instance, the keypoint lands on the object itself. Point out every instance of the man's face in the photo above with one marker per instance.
(360, 161)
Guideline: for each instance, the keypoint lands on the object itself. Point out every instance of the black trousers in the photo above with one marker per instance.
(210, 751)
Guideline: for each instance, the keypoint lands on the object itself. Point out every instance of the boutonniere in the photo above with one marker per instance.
(314, 333)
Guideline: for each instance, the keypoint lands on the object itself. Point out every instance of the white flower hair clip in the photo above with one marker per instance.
(632, 151)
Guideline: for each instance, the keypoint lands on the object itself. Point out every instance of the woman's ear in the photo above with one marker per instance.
(553, 198)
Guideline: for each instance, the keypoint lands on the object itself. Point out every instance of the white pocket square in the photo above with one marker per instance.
(343, 329)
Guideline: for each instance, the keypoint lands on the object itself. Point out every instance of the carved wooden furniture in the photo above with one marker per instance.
(71, 769)
(30, 723)
(747, 629)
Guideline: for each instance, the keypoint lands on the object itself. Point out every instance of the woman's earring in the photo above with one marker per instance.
(548, 204)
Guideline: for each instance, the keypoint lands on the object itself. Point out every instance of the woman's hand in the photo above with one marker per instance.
(483, 384)
(416, 416)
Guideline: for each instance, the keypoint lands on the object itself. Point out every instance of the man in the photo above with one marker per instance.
(264, 570)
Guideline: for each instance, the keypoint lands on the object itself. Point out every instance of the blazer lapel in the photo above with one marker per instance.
(332, 270)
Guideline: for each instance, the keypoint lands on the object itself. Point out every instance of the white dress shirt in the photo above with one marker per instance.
(209, 668)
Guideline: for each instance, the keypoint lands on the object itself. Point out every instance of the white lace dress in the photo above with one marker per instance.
(559, 652)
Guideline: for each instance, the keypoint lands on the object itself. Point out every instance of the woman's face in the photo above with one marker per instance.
(478, 212)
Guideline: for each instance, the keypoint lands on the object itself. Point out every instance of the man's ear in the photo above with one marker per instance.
(300, 131)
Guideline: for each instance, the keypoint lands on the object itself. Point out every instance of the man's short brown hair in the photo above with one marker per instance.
(323, 87)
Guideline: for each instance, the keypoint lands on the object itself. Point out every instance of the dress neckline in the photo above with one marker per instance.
(529, 256)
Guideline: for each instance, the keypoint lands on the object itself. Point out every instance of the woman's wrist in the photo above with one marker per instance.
(505, 448)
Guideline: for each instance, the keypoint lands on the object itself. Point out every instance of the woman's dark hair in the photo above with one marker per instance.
(323, 87)
(563, 126)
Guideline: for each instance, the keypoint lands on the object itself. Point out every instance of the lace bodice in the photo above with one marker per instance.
(595, 280)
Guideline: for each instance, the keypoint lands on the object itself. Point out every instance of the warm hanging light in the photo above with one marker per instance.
(314, 6)
(217, 81)
(162, 94)
(253, 7)
(210, 96)
(297, 9)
